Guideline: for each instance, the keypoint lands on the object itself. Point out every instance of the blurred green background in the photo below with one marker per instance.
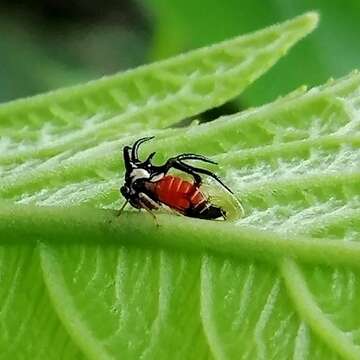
(47, 44)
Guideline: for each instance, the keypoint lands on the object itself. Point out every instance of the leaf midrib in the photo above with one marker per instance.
(88, 225)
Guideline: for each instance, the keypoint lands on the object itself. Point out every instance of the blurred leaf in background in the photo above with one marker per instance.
(333, 50)
(46, 44)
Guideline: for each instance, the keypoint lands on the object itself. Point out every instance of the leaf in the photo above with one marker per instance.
(279, 283)
(185, 24)
(88, 119)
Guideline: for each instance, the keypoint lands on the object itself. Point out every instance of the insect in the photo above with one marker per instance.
(148, 186)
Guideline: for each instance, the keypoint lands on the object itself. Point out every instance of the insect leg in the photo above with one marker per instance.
(148, 201)
(193, 171)
(148, 204)
(208, 173)
(122, 208)
(177, 164)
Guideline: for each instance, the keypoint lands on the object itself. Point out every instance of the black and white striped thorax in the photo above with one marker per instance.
(138, 172)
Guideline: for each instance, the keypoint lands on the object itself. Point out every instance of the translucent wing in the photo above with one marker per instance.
(222, 198)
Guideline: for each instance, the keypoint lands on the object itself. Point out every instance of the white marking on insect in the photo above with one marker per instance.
(139, 174)
(157, 177)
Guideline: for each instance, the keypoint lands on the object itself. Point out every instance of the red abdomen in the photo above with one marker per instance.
(177, 193)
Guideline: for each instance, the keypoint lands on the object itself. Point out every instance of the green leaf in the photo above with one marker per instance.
(89, 119)
(282, 282)
(186, 24)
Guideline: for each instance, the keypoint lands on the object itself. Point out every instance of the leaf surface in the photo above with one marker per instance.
(279, 283)
(184, 24)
